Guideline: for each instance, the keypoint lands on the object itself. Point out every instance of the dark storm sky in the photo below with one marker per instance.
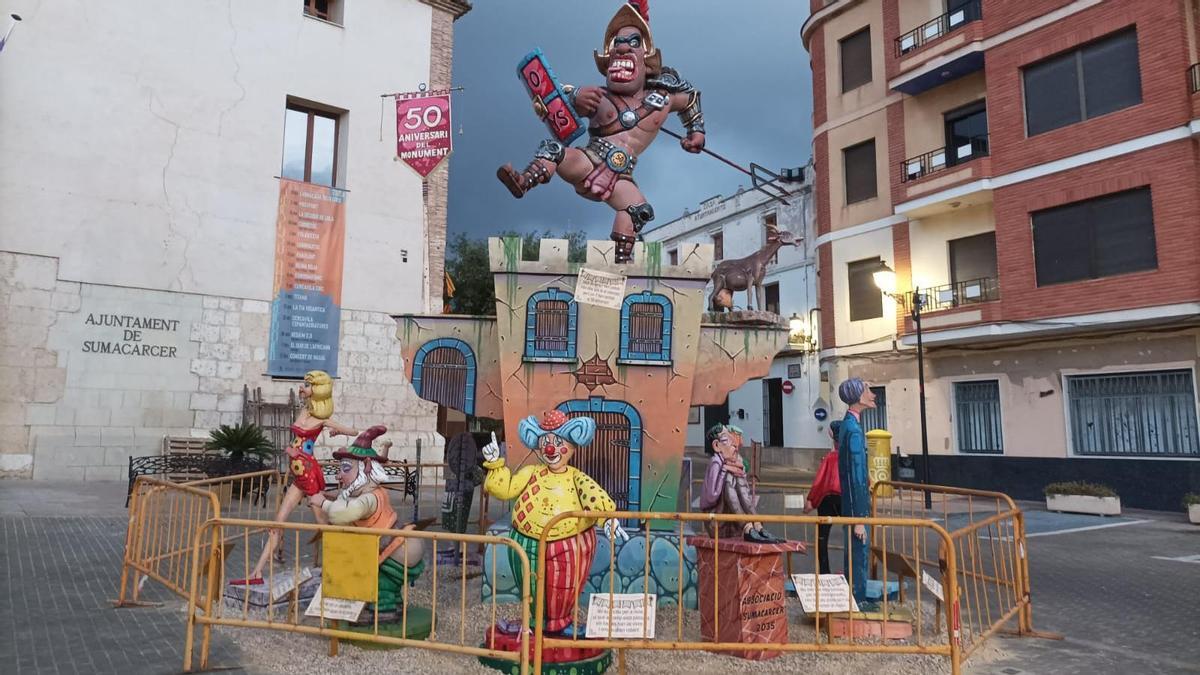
(744, 55)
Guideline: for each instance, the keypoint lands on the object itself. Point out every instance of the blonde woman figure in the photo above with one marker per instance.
(307, 478)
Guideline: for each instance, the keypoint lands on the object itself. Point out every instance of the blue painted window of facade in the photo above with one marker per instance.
(444, 372)
(646, 329)
(618, 429)
(551, 326)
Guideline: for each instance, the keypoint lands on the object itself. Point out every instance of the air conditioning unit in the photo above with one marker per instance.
(795, 174)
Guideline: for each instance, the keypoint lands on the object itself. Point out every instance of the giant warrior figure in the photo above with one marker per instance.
(625, 116)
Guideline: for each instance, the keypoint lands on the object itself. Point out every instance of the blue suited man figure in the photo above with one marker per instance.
(856, 494)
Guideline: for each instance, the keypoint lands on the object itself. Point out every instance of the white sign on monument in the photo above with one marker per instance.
(835, 593)
(632, 615)
(933, 585)
(602, 289)
(334, 608)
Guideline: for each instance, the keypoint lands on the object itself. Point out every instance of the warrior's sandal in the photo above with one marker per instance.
(512, 180)
(520, 183)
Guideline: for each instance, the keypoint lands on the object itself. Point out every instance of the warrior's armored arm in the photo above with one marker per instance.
(685, 99)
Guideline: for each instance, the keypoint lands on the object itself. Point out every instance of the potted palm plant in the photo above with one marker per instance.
(1191, 502)
(1082, 497)
(245, 448)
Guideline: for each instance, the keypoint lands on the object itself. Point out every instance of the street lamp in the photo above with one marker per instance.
(802, 334)
(885, 279)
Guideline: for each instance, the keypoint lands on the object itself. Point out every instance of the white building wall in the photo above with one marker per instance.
(141, 143)
(740, 219)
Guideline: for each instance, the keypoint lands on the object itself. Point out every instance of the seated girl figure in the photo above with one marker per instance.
(726, 488)
(542, 492)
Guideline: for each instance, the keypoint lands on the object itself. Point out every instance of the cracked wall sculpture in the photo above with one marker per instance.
(636, 370)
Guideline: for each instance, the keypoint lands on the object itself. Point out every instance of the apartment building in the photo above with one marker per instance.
(144, 145)
(781, 410)
(1030, 172)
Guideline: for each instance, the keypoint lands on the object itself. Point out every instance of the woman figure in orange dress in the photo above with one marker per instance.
(307, 478)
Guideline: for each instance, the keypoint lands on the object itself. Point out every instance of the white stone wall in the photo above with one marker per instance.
(147, 188)
(148, 159)
(71, 412)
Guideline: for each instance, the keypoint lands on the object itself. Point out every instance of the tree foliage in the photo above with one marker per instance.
(468, 264)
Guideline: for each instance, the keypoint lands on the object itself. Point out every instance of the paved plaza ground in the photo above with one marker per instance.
(1121, 591)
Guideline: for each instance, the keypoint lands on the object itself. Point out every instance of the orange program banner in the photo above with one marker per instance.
(310, 238)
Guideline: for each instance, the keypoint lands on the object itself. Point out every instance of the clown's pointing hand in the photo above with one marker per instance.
(491, 451)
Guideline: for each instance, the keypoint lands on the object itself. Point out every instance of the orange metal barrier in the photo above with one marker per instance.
(989, 541)
(164, 517)
(928, 639)
(209, 575)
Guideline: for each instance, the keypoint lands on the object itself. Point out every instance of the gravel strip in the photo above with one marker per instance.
(266, 651)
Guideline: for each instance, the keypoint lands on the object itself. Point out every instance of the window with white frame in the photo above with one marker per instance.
(1136, 414)
(977, 417)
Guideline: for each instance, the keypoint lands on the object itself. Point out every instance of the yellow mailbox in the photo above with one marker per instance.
(879, 459)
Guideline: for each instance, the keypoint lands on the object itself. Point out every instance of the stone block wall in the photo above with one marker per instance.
(96, 374)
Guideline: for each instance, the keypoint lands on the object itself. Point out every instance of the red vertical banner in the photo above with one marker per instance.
(423, 131)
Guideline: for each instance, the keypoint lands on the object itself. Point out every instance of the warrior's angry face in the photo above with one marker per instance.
(626, 66)
(555, 452)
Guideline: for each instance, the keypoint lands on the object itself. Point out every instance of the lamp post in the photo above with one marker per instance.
(885, 280)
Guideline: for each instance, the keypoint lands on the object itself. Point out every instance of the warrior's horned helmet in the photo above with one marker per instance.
(628, 17)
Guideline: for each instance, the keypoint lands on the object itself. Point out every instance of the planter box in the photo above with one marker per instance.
(1100, 506)
(1194, 513)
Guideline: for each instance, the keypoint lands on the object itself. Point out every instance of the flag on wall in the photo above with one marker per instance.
(423, 131)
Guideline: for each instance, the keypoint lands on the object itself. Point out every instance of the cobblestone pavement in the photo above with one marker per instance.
(1120, 608)
(61, 573)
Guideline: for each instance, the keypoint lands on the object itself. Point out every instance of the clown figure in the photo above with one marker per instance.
(542, 492)
(364, 502)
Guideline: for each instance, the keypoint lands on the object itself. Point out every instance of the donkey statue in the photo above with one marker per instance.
(742, 274)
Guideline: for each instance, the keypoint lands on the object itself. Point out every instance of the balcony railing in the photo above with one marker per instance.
(1194, 78)
(956, 294)
(928, 32)
(937, 160)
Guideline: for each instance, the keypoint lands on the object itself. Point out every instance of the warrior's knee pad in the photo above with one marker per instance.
(551, 150)
(641, 214)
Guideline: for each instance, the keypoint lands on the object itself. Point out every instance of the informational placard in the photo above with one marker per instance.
(423, 131)
(795, 501)
(310, 234)
(835, 593)
(933, 585)
(602, 289)
(632, 615)
(286, 583)
(334, 608)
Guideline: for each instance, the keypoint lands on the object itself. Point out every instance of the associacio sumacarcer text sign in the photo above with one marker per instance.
(134, 335)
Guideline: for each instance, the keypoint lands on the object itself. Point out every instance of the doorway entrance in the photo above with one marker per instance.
(773, 412)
